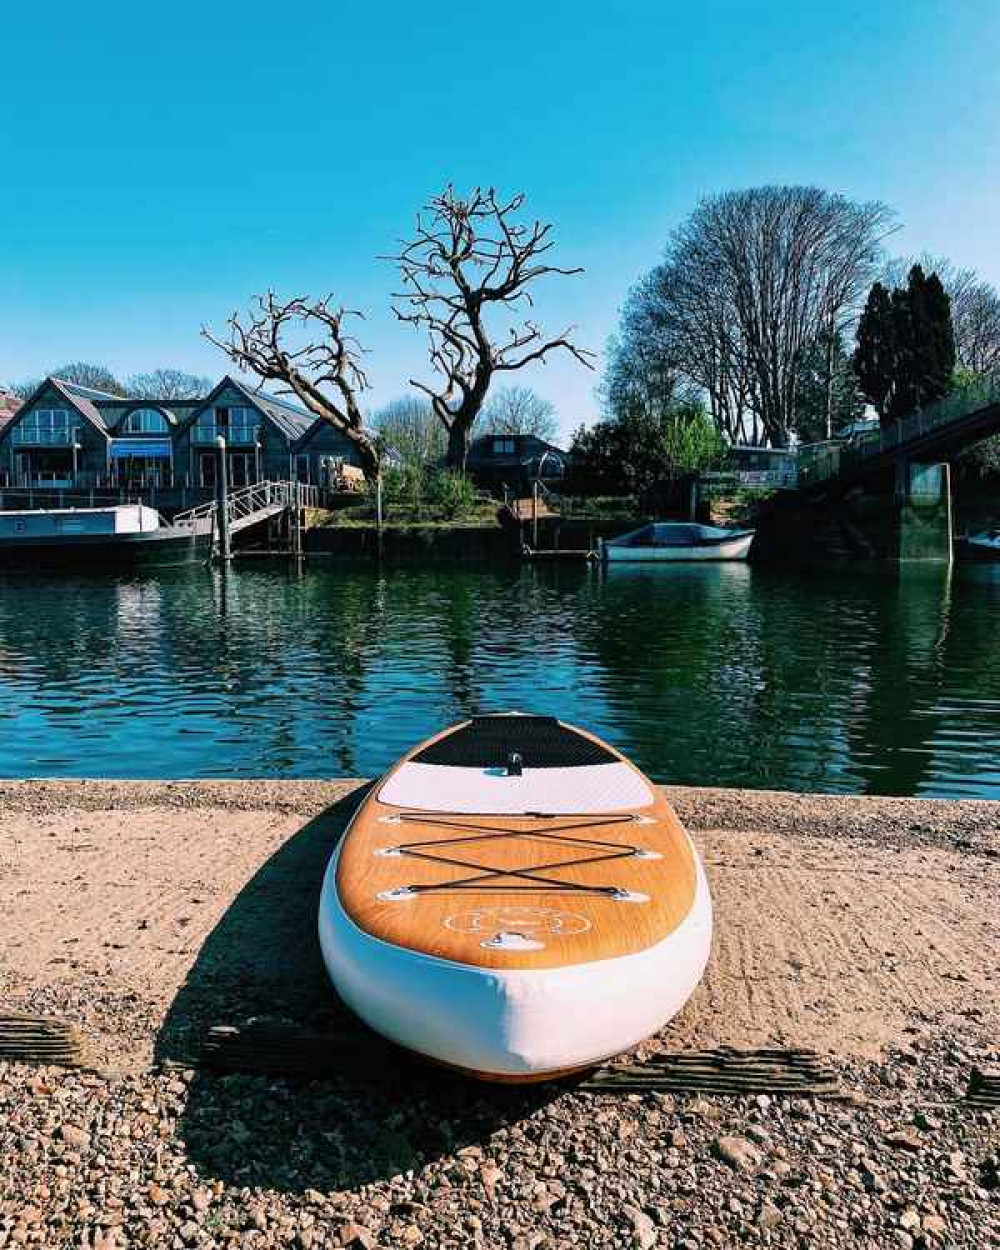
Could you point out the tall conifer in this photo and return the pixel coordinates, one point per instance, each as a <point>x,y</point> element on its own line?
<point>905,355</point>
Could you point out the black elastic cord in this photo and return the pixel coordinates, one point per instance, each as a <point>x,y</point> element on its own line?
<point>611,851</point>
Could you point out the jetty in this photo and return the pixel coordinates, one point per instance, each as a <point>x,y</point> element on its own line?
<point>100,533</point>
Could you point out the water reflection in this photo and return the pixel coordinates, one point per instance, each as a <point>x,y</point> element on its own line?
<point>874,681</point>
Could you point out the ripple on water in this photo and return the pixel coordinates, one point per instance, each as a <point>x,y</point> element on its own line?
<point>712,676</point>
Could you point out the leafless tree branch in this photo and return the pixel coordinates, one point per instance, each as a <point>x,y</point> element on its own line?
<point>325,372</point>
<point>471,258</point>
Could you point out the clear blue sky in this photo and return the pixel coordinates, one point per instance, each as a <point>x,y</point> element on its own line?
<point>159,164</point>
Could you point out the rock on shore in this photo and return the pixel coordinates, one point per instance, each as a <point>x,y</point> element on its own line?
<point>178,1158</point>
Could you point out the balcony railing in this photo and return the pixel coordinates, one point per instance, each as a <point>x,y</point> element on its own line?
<point>235,435</point>
<point>20,436</point>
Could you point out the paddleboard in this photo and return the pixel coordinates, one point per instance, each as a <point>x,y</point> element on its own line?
<point>515,899</point>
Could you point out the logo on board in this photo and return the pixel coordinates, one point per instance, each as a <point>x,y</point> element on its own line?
<point>529,921</point>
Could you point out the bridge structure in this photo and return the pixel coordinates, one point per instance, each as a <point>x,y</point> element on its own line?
<point>235,510</point>
<point>928,436</point>
<point>886,494</point>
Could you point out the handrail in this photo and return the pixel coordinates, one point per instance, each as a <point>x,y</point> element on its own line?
<point>981,394</point>
<point>246,500</point>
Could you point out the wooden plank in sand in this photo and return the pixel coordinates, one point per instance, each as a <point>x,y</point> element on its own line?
<point>38,1039</point>
<point>984,1088</point>
<point>723,1071</point>
<point>278,1049</point>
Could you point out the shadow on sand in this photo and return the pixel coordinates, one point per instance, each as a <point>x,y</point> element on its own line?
<point>348,1129</point>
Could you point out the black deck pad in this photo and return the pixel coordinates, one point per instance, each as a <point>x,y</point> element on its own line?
<point>541,742</point>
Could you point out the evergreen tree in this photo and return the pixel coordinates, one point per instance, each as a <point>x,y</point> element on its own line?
<point>934,341</point>
<point>905,357</point>
<point>902,397</point>
<point>875,356</point>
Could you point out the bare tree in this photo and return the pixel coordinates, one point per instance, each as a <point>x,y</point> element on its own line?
<point>471,256</point>
<point>750,284</point>
<point>679,331</point>
<point>792,263</point>
<point>408,425</point>
<point>323,371</point>
<point>82,373</point>
<point>518,410</point>
<point>167,384</point>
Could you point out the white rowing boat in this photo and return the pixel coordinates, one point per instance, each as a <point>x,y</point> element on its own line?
<point>984,546</point>
<point>679,540</point>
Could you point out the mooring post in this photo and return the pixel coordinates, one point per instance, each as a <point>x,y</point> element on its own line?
<point>378,512</point>
<point>693,500</point>
<point>222,499</point>
<point>296,520</point>
<point>534,514</point>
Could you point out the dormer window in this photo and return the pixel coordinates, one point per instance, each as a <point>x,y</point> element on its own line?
<point>503,446</point>
<point>145,421</point>
<point>236,425</point>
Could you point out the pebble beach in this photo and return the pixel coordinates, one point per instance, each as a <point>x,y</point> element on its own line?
<point>144,913</point>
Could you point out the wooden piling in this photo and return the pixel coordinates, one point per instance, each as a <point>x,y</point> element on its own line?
<point>222,500</point>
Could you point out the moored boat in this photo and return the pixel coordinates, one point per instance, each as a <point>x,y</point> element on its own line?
<point>982,546</point>
<point>120,535</point>
<point>516,900</point>
<point>679,540</point>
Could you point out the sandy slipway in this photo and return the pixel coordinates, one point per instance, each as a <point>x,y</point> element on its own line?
<point>866,928</point>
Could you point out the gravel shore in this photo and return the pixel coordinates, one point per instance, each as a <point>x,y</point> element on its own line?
<point>143,912</point>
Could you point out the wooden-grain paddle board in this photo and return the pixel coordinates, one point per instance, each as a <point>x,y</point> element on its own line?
<point>516,899</point>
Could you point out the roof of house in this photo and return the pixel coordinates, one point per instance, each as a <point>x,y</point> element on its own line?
<point>105,411</point>
<point>83,398</point>
<point>290,419</point>
<point>527,447</point>
<point>113,411</point>
<point>9,404</point>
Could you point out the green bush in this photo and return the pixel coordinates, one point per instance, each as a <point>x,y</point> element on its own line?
<point>449,493</point>
<point>415,493</point>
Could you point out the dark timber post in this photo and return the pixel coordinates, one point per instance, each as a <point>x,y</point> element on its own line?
<point>222,499</point>
<point>534,514</point>
<point>296,520</point>
<point>378,513</point>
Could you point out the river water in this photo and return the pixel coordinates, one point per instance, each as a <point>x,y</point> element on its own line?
<point>871,681</point>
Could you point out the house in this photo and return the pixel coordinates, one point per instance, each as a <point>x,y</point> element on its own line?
<point>514,460</point>
<point>763,466</point>
<point>65,435</point>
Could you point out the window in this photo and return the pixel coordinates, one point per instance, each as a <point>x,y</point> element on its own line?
<point>235,425</point>
<point>145,421</point>
<point>503,447</point>
<point>47,427</point>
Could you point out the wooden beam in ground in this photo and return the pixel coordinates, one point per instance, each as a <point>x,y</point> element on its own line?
<point>283,1050</point>
<point>39,1039</point>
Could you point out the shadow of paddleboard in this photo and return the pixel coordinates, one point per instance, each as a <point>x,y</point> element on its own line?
<point>367,1114</point>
